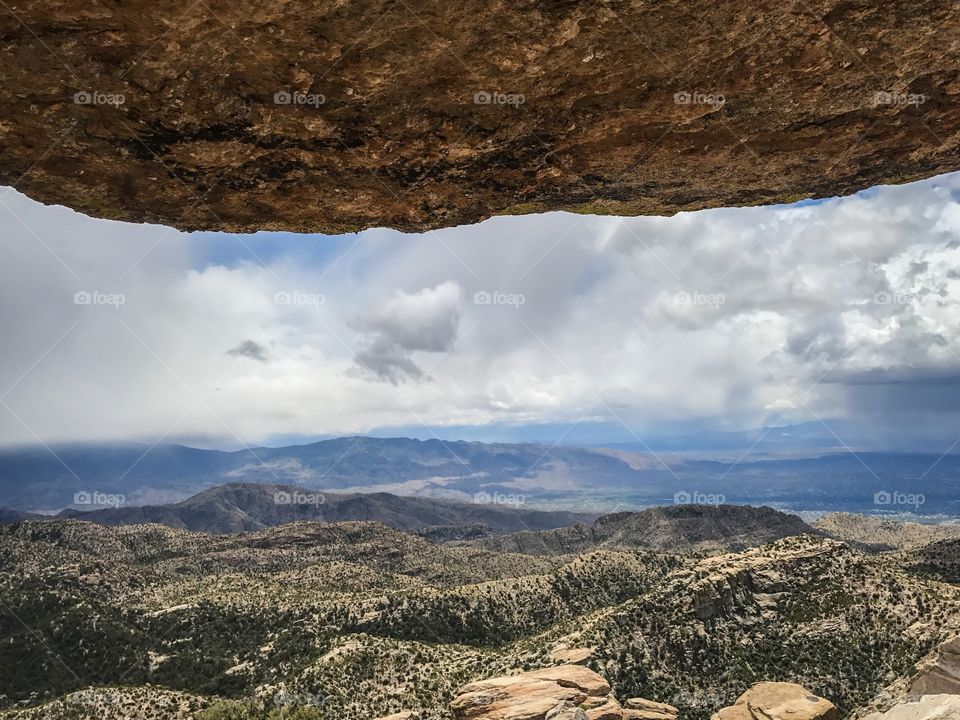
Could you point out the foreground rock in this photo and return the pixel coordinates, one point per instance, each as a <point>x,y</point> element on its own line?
<point>779,701</point>
<point>928,707</point>
<point>567,692</point>
<point>939,672</point>
<point>339,116</point>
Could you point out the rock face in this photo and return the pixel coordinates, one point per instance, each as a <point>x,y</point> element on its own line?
<point>567,692</point>
<point>929,707</point>
<point>334,116</point>
<point>939,673</point>
<point>779,701</point>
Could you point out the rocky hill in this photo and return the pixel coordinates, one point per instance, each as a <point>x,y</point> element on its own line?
<point>241,507</point>
<point>880,534</point>
<point>280,116</point>
<point>358,620</point>
<point>677,528</point>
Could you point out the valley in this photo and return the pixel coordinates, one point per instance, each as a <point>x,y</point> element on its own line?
<point>688,606</point>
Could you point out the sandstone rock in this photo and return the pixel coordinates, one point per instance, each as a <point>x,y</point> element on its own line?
<point>928,707</point>
<point>939,672</point>
<point>405,715</point>
<point>548,694</point>
<point>641,709</point>
<point>575,676</point>
<point>778,701</point>
<point>514,698</point>
<point>254,116</point>
<point>607,710</point>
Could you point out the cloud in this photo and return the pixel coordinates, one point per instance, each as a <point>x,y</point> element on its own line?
<point>249,349</point>
<point>426,321</point>
<point>724,318</point>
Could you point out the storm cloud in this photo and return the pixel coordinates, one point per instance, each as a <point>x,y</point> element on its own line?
<point>726,318</point>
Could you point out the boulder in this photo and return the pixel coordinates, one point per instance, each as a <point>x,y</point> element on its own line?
<point>778,701</point>
<point>566,692</point>
<point>641,709</point>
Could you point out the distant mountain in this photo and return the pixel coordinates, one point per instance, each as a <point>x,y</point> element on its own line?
<point>37,478</point>
<point>680,528</point>
<point>579,478</point>
<point>239,507</point>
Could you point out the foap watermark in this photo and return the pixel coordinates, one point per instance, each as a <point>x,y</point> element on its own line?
<point>296,297</point>
<point>283,97</point>
<point>892,298</point>
<point>95,97</point>
<point>95,297</point>
<point>698,498</point>
<point>298,498</point>
<point>894,498</point>
<point>699,299</point>
<point>892,97</point>
<point>286,698</point>
<point>499,498</point>
<point>95,498</point>
<point>484,97</point>
<point>695,97</point>
<point>484,297</point>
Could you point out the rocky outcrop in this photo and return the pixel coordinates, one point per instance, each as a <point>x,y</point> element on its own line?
<point>640,709</point>
<point>406,715</point>
<point>336,116</point>
<point>779,701</point>
<point>939,672</point>
<point>928,707</point>
<point>566,692</point>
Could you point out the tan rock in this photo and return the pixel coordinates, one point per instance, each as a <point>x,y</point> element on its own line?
<point>405,715</point>
<point>778,701</point>
<point>928,707</point>
<point>514,698</point>
<point>643,704</point>
<point>647,715</point>
<point>548,694</point>
<point>939,672</point>
<point>575,676</point>
<point>609,709</point>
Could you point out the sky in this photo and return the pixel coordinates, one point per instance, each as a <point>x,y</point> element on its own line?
<point>556,327</point>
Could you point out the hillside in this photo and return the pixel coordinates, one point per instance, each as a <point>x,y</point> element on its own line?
<point>677,528</point>
<point>881,534</point>
<point>240,507</point>
<point>362,620</point>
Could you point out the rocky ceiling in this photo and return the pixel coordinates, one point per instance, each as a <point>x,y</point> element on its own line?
<point>338,115</point>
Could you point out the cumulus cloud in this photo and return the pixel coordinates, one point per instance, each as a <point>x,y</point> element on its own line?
<point>725,318</point>
<point>426,321</point>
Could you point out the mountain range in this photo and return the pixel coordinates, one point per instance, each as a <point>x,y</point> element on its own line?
<point>590,480</point>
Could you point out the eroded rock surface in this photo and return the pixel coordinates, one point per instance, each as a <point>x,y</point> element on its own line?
<point>779,701</point>
<point>928,707</point>
<point>334,116</point>
<point>939,673</point>
<point>566,692</point>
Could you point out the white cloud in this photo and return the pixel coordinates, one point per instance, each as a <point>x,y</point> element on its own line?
<point>731,316</point>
